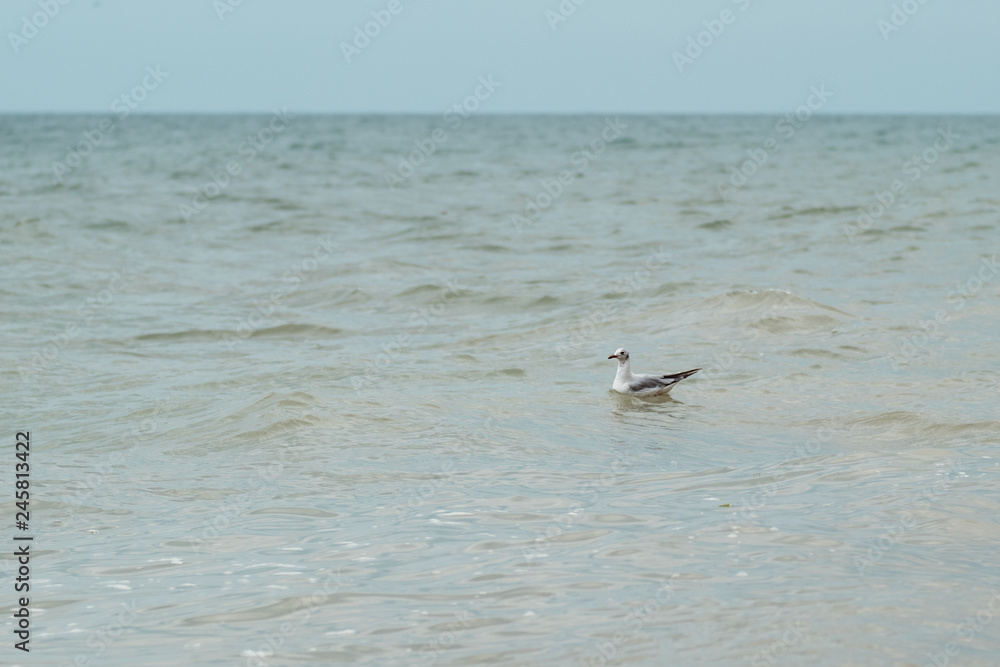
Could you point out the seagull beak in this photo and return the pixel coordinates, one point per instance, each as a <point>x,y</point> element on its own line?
<point>613,356</point>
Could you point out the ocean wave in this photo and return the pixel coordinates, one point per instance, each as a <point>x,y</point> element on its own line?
<point>773,311</point>
<point>279,331</point>
<point>814,210</point>
<point>263,421</point>
<point>816,353</point>
<point>430,291</point>
<point>744,300</point>
<point>909,426</point>
<point>716,225</point>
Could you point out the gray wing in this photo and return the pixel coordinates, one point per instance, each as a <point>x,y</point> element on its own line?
<point>659,381</point>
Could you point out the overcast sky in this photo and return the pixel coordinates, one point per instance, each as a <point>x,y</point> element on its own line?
<point>624,56</point>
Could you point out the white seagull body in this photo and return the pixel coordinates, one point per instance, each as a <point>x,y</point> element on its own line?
<point>627,382</point>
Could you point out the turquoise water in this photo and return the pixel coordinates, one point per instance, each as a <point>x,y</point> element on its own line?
<point>334,417</point>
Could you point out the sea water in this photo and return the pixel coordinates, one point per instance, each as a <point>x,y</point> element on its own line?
<point>335,389</point>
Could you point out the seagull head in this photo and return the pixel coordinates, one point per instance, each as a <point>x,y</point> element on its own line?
<point>621,354</point>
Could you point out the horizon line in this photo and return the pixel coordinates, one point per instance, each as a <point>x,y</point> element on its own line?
<point>502,113</point>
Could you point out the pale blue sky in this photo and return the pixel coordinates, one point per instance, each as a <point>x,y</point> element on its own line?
<point>605,57</point>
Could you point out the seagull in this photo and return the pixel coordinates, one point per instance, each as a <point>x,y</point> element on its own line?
<point>627,382</point>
